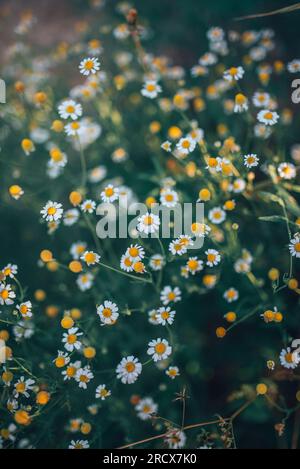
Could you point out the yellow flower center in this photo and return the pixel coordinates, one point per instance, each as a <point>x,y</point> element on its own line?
<point>192,265</point>
<point>297,247</point>
<point>51,211</point>
<point>20,387</point>
<point>107,312</point>
<point>89,64</point>
<point>160,348</point>
<point>134,252</point>
<point>4,294</point>
<point>70,109</point>
<point>72,338</point>
<point>171,296</point>
<point>90,258</point>
<point>130,367</point>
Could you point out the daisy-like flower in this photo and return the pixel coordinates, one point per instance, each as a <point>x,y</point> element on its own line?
<point>90,258</point>
<point>102,392</point>
<point>52,211</point>
<point>10,270</point>
<point>172,372</point>
<point>167,146</point>
<point>135,252</point>
<point>79,444</point>
<point>261,99</point>
<point>25,309</point>
<point>288,359</point>
<point>85,281</point>
<point>110,194</point>
<point>169,198</point>
<point>177,248</point>
<point>194,265</point>
<point>151,89</point>
<point>159,349</point>
<point>251,160</point>
<point>83,376</point>
<point>287,171</point>
<point>71,370</point>
<point>70,109</point>
<point>88,66</point>
<point>215,34</point>
<point>175,438</point>
<point>294,66</point>
<point>186,145</point>
<point>129,370</point>
<point>146,408</point>
<point>73,129</point>
<point>126,263</point>
<point>200,230</point>
<point>207,59</point>
<point>22,387</point>
<point>267,117</point>
<point>213,257</point>
<point>148,223</point>
<point>156,262</point>
<point>152,317</point>
<point>165,316</point>
<point>77,249</point>
<point>62,359</point>
<point>294,248</point>
<point>8,433</point>
<point>240,103</point>
<point>169,295</point>
<point>70,339</point>
<point>217,215</point>
<point>88,206</point>
<point>108,312</point>
<point>234,74</point>
<point>7,296</point>
<point>71,217</point>
<point>231,295</point>
<point>242,267</point>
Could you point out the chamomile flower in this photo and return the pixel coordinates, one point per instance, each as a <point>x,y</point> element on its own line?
<point>7,295</point>
<point>77,249</point>
<point>267,117</point>
<point>168,198</point>
<point>217,215</point>
<point>84,376</point>
<point>71,217</point>
<point>88,66</point>
<point>159,349</point>
<point>231,295</point>
<point>62,359</point>
<point>234,74</point>
<point>251,160</point>
<point>88,206</point>
<point>294,248</point>
<point>288,359</point>
<point>172,372</point>
<point>287,171</point>
<point>200,230</point>
<point>151,89</point>
<point>73,129</point>
<point>129,370</point>
<point>10,270</point>
<point>52,211</point>
<point>145,408</point>
<point>110,194</point>
<point>186,145</point>
<point>108,312</point>
<point>126,263</point>
<point>148,223</point>
<point>165,316</point>
<point>152,317</point>
<point>135,252</point>
<point>90,258</point>
<point>240,103</point>
<point>215,34</point>
<point>70,339</point>
<point>294,66</point>
<point>156,262</point>
<point>71,370</point>
<point>167,146</point>
<point>194,265</point>
<point>22,387</point>
<point>261,99</point>
<point>177,248</point>
<point>170,295</point>
<point>175,438</point>
<point>102,392</point>
<point>212,257</point>
<point>8,433</point>
<point>79,444</point>
<point>85,281</point>
<point>70,109</point>
<point>25,309</point>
